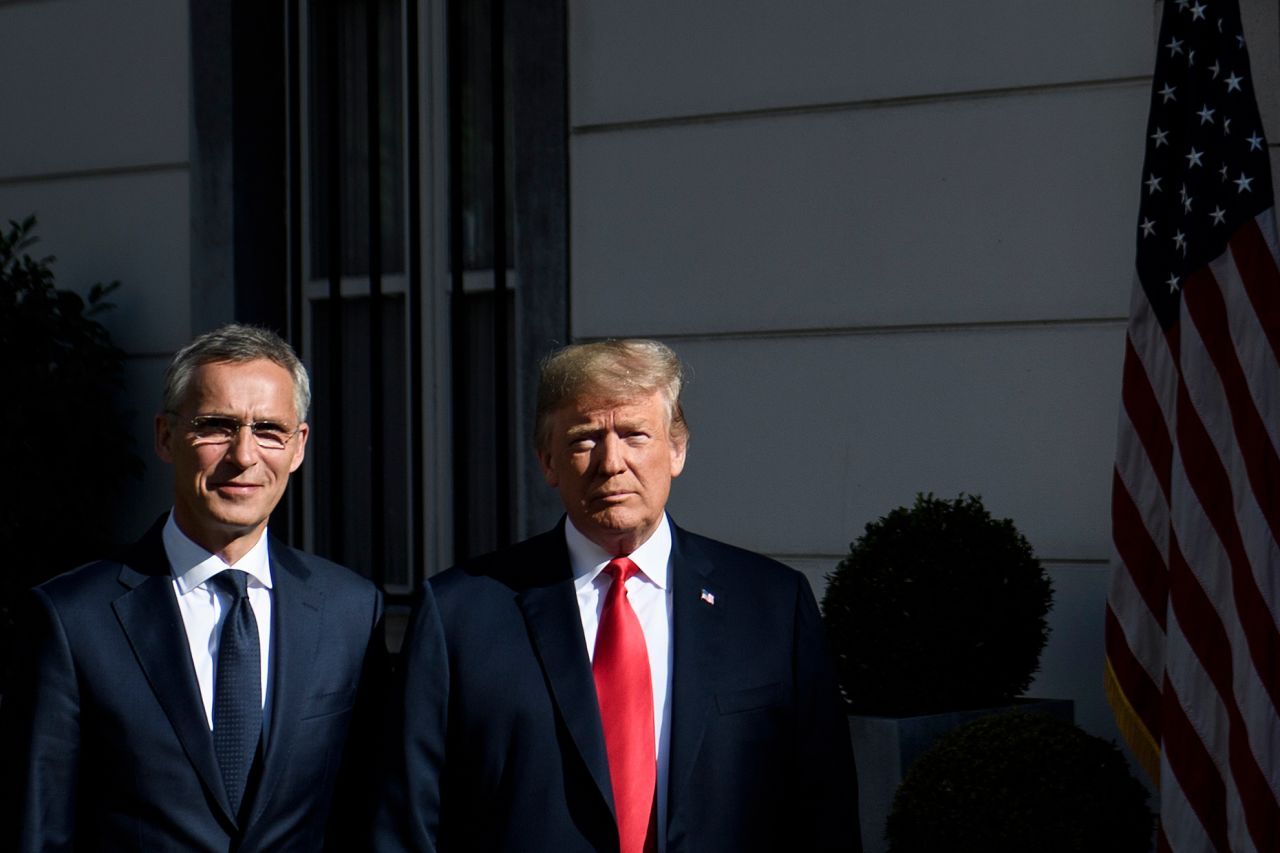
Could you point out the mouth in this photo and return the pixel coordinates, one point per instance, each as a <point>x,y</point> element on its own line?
<point>236,489</point>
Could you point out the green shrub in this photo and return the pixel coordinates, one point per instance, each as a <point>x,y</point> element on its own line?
<point>68,450</point>
<point>1018,782</point>
<point>937,607</point>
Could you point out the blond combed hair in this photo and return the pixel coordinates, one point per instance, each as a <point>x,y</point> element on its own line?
<point>610,370</point>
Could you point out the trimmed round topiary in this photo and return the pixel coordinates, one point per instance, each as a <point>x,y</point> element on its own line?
<point>937,607</point>
<point>1020,782</point>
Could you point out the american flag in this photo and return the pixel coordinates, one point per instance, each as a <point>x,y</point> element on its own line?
<point>1193,649</point>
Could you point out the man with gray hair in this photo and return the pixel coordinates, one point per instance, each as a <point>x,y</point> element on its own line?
<point>618,683</point>
<point>203,690</point>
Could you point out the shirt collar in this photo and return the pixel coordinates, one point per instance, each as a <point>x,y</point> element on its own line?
<point>192,565</point>
<point>588,559</point>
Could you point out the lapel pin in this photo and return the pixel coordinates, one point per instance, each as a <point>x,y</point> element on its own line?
<point>708,597</point>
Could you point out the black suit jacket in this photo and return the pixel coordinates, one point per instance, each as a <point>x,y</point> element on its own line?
<point>106,743</point>
<point>502,746</point>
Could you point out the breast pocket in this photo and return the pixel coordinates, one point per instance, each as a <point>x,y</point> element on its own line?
<point>327,704</point>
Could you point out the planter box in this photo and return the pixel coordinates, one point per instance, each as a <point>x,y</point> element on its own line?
<point>886,747</point>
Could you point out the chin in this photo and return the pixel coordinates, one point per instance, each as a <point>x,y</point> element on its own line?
<point>240,520</point>
<point>614,522</point>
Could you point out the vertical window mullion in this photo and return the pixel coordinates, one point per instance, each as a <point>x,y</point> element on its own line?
<point>459,328</point>
<point>417,518</point>
<point>293,27</point>
<point>373,126</point>
<point>333,182</point>
<point>502,348</point>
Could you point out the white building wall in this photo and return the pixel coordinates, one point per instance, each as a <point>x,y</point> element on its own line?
<point>894,241</point>
<point>95,112</point>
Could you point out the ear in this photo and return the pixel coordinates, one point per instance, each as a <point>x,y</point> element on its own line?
<point>164,438</point>
<point>300,447</point>
<point>678,448</point>
<point>548,472</point>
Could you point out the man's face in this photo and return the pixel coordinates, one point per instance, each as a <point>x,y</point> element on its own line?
<point>612,462</point>
<point>224,493</point>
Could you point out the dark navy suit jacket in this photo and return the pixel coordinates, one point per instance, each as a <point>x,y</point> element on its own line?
<point>106,743</point>
<point>502,747</point>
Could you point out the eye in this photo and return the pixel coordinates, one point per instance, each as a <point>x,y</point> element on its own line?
<point>270,433</point>
<point>214,427</point>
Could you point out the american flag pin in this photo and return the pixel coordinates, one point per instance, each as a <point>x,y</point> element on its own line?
<point>708,597</point>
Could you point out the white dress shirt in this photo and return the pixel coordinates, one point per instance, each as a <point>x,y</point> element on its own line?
<point>649,592</point>
<point>203,608</point>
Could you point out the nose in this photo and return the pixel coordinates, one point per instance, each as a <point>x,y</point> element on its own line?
<point>244,447</point>
<point>611,455</point>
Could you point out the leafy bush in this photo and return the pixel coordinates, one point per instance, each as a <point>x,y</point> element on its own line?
<point>1018,782</point>
<point>937,607</point>
<point>68,449</point>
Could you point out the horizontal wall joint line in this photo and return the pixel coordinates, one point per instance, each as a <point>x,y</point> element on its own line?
<point>1143,81</point>
<point>885,329</point>
<point>89,174</point>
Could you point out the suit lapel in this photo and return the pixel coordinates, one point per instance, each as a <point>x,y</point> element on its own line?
<point>148,614</point>
<point>551,612</point>
<point>697,635</point>
<point>296,608</point>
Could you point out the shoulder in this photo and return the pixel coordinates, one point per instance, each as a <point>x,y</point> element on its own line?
<point>120,569</point>
<point>542,560</point>
<point>739,563</point>
<point>315,569</point>
<point>347,601</point>
<point>770,596</point>
<point>92,582</point>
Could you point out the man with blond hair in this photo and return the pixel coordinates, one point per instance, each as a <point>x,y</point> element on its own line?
<point>618,683</point>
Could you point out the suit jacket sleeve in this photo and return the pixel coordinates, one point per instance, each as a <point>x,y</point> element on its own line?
<point>823,744</point>
<point>408,817</point>
<point>40,737</point>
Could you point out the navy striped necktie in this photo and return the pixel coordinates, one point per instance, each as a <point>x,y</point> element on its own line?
<point>237,690</point>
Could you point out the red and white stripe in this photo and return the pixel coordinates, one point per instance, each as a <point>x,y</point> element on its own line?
<point>1193,618</point>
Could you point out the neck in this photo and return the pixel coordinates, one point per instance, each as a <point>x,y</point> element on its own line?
<point>227,545</point>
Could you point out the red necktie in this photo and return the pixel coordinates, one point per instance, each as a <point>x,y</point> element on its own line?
<point>625,691</point>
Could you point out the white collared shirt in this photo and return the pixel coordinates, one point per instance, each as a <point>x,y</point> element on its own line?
<point>649,592</point>
<point>203,609</point>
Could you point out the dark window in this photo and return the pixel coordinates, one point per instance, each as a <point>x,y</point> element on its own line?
<point>342,510</point>
<point>339,134</point>
<point>483,326</point>
<point>361,310</point>
<point>357,294</point>
<point>473,39</point>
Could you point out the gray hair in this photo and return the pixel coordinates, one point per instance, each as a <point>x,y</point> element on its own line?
<point>235,343</point>
<point>614,370</point>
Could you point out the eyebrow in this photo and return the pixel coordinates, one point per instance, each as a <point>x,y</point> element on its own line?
<point>583,431</point>
<point>262,420</point>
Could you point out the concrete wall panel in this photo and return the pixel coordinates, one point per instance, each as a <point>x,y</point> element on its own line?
<point>1071,664</point>
<point>1261,19</point>
<point>642,61</point>
<point>799,442</point>
<point>994,209</point>
<point>92,85</point>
